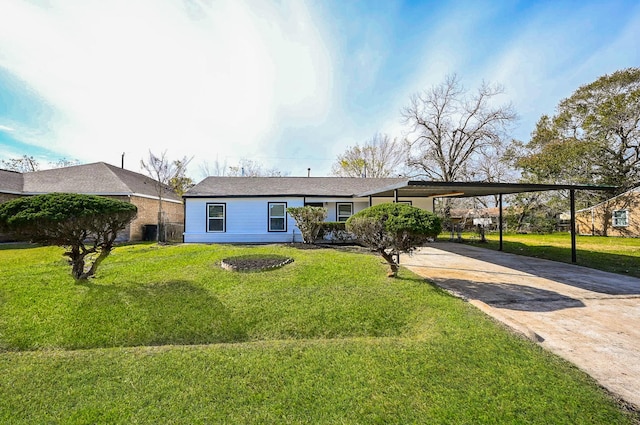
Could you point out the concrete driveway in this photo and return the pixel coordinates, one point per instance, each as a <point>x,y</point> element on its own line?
<point>586,316</point>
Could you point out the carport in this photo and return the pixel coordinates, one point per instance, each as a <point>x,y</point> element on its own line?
<point>422,188</point>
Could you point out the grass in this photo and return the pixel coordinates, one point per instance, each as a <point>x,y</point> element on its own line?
<point>164,335</point>
<point>616,255</point>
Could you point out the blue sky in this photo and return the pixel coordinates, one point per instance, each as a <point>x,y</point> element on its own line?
<point>287,84</point>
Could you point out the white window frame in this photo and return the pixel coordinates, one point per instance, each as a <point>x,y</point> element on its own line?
<point>283,217</point>
<point>620,218</point>
<point>343,217</point>
<point>223,218</point>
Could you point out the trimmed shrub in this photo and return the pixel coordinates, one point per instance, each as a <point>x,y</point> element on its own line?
<point>393,228</point>
<point>309,221</point>
<point>85,224</point>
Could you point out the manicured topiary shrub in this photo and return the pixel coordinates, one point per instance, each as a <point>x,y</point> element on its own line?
<point>84,224</point>
<point>393,228</point>
<point>308,220</point>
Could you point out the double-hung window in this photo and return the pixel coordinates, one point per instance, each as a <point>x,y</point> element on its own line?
<point>344,211</point>
<point>277,216</point>
<point>620,218</point>
<point>216,218</point>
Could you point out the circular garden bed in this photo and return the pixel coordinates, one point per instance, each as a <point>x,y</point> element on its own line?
<point>257,262</point>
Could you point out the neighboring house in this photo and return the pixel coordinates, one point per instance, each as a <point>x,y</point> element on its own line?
<point>470,218</point>
<point>98,179</point>
<point>618,216</point>
<point>10,185</point>
<point>253,209</point>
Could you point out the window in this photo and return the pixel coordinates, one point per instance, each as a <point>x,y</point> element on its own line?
<point>620,218</point>
<point>216,218</point>
<point>344,211</point>
<point>277,216</point>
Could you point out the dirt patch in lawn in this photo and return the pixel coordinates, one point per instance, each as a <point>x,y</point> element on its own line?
<point>253,263</point>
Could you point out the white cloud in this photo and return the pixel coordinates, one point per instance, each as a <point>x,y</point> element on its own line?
<point>192,78</point>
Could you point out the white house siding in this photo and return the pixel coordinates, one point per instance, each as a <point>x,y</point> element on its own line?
<point>331,204</point>
<point>247,218</point>
<point>247,221</point>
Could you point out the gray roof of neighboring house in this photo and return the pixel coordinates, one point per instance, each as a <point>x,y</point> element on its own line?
<point>290,186</point>
<point>95,179</point>
<point>10,181</point>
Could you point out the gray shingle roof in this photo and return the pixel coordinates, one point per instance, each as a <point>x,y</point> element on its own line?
<point>10,181</point>
<point>289,186</point>
<point>96,179</point>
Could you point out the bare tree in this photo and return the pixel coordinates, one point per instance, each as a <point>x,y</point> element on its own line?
<point>216,168</point>
<point>244,168</point>
<point>164,172</point>
<point>449,128</point>
<point>27,164</point>
<point>249,168</point>
<point>64,162</point>
<point>380,156</point>
<point>23,164</point>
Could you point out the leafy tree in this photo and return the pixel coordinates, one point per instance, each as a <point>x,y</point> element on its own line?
<point>593,138</point>
<point>169,176</point>
<point>87,225</point>
<point>393,228</point>
<point>378,157</point>
<point>309,221</point>
<point>450,128</point>
<point>180,183</point>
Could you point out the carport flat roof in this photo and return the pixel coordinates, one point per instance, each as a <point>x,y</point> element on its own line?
<point>422,188</point>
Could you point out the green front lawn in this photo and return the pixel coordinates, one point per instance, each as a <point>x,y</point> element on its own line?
<point>616,255</point>
<point>164,335</point>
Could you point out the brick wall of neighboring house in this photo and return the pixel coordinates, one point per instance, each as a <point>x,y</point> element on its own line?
<point>599,220</point>
<point>148,214</point>
<point>5,197</point>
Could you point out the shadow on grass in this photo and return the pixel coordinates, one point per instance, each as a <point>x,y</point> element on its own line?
<point>175,312</point>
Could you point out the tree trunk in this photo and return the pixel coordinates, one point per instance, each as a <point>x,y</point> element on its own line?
<point>76,258</point>
<point>104,253</point>
<point>388,256</point>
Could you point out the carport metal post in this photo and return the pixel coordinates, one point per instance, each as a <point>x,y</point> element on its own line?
<point>500,219</point>
<point>572,197</point>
